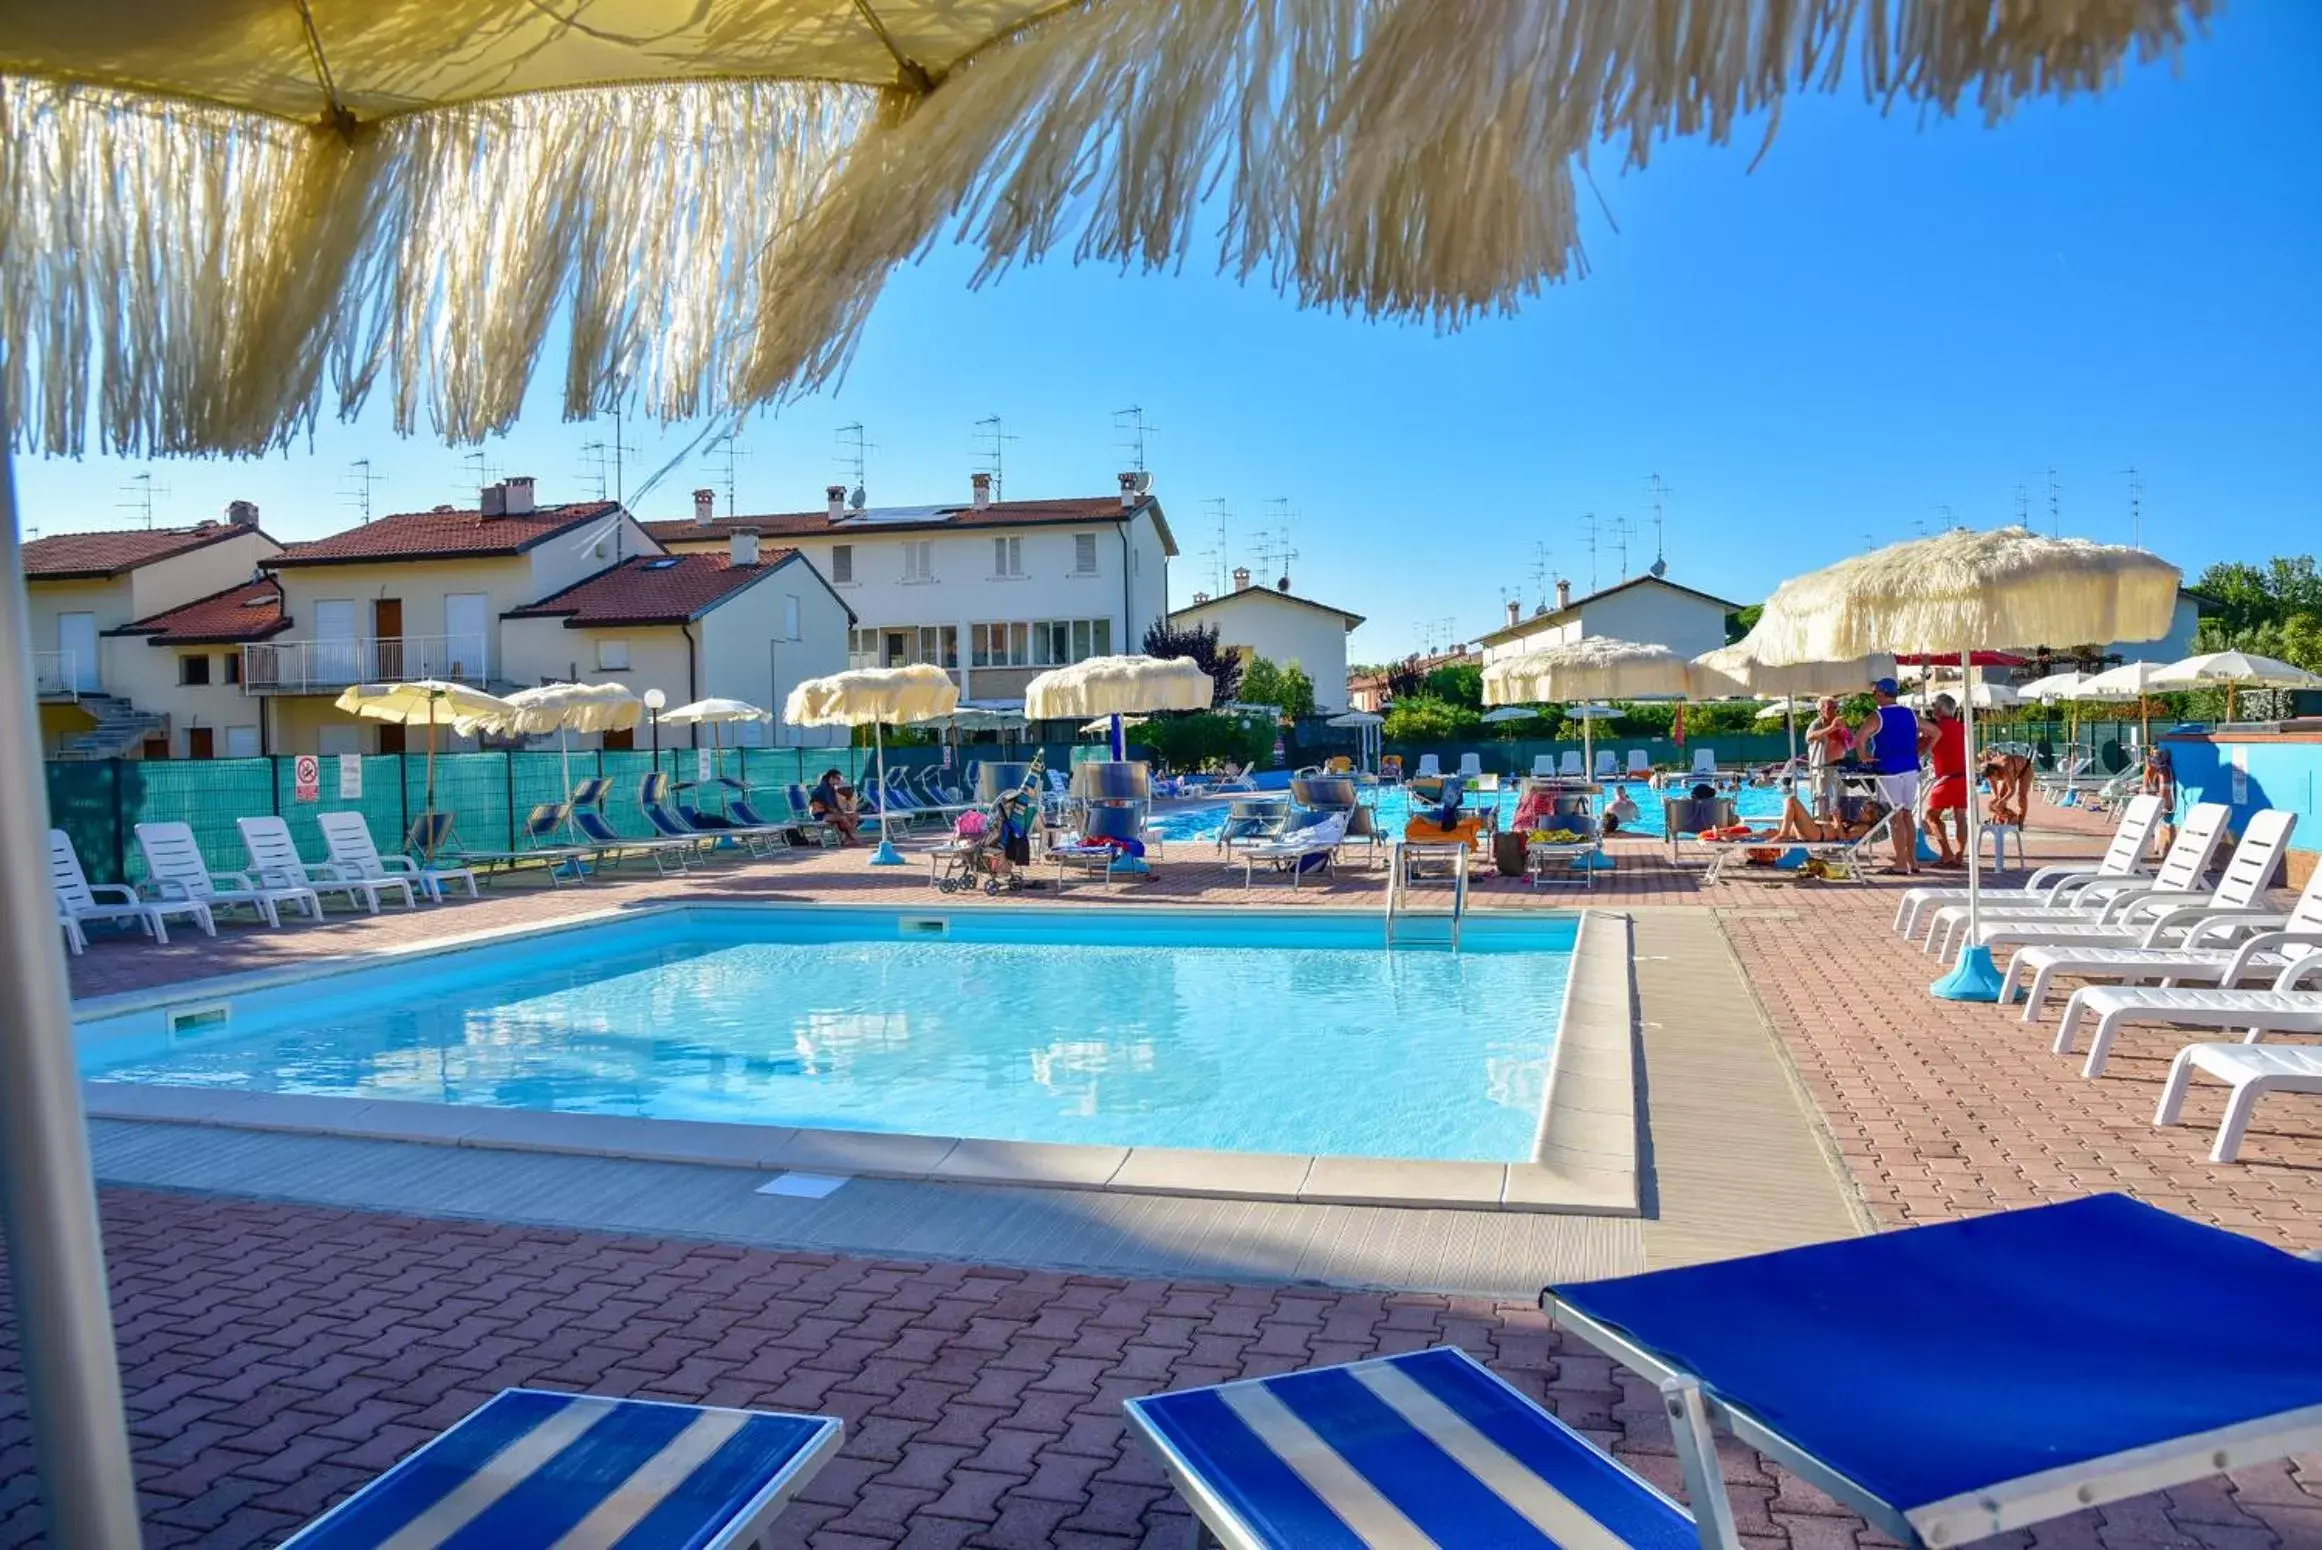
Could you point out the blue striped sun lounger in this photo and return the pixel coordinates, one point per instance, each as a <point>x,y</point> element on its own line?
<point>1971,1377</point>
<point>1422,1449</point>
<point>535,1468</point>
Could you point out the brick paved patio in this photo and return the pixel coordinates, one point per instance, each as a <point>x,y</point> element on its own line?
<point>278,1355</point>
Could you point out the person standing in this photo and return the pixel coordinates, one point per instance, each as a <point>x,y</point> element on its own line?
<point>1827,742</point>
<point>1894,755</point>
<point>1946,737</point>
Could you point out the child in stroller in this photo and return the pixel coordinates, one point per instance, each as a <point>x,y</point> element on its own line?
<point>992,844</point>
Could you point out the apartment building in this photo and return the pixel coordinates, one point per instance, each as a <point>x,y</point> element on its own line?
<point>87,591</point>
<point>1649,609</point>
<point>419,594</point>
<point>747,624</point>
<point>993,591</point>
<point>1277,624</point>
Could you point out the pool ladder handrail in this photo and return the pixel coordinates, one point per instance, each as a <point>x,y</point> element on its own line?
<point>1398,879</point>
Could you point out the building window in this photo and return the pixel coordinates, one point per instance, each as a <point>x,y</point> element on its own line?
<point>862,648</point>
<point>903,645</point>
<point>233,664</point>
<point>612,656</point>
<point>842,564</point>
<point>1084,554</point>
<point>193,670</point>
<point>919,559</point>
<point>1044,643</point>
<point>1007,557</point>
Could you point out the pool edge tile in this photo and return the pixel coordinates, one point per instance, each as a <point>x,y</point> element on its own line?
<point>1172,1170</point>
<point>1393,1181</point>
<point>880,1153</point>
<point>1052,1163</point>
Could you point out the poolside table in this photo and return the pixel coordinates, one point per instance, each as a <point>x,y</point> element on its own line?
<point>531,1467</point>
<point>1972,1377</point>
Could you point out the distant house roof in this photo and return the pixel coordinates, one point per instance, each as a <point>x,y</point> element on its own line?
<point>1274,593</point>
<point>445,534</point>
<point>657,589</point>
<point>875,520</point>
<point>250,611</point>
<point>103,555</point>
<point>1529,624</point>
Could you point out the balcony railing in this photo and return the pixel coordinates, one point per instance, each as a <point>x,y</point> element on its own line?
<point>58,672</point>
<point>318,666</point>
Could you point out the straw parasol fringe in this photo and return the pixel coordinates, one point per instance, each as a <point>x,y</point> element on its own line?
<point>208,272</point>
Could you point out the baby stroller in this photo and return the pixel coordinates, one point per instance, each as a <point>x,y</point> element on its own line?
<point>992,844</point>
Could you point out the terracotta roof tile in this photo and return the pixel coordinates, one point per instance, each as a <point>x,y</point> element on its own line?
<point>652,589</point>
<point>87,556</point>
<point>251,611</point>
<point>445,535</point>
<point>904,519</point>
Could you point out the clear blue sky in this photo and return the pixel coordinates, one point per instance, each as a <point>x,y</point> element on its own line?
<point>1883,320</point>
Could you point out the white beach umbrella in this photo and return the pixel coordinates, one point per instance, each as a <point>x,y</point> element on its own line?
<point>428,702</point>
<point>1116,687</point>
<point>2130,681</point>
<point>2054,687</point>
<point>1508,713</point>
<point>568,708</point>
<point>877,697</point>
<point>1104,724</point>
<point>2234,669</point>
<point>1598,667</point>
<point>1366,724</point>
<point>1781,710</point>
<point>1958,591</point>
<point>716,714</point>
<point>1741,663</point>
<point>1979,695</point>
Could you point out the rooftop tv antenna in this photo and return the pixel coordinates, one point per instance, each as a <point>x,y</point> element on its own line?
<point>480,472</point>
<point>2055,506</point>
<point>140,491</point>
<point>1590,519</point>
<point>1220,554</point>
<point>1622,528</point>
<point>1659,490</point>
<point>729,447</point>
<point>1948,524</point>
<point>853,461</point>
<point>2136,493</point>
<point>1543,572</point>
<point>1132,421</point>
<point>992,439</point>
<point>358,487</point>
<point>2023,507</point>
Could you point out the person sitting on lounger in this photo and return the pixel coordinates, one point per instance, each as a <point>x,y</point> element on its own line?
<point>833,803</point>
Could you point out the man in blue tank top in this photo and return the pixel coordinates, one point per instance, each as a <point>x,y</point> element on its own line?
<point>1894,753</point>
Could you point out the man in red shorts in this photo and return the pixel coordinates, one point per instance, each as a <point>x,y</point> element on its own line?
<point>1947,794</point>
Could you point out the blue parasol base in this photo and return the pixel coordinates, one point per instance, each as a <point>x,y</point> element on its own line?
<point>1594,861</point>
<point>886,855</point>
<point>1973,978</point>
<point>1128,866</point>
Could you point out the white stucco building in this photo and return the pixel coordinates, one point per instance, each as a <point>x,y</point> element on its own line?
<point>1277,624</point>
<point>1652,610</point>
<point>992,591</point>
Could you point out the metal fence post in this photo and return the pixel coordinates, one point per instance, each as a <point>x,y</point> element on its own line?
<point>403,795</point>
<point>508,772</point>
<point>120,826</point>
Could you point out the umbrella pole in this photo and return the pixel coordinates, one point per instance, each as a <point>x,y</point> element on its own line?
<point>48,1199</point>
<point>1974,977</point>
<point>430,803</point>
<point>1120,741</point>
<point>886,854</point>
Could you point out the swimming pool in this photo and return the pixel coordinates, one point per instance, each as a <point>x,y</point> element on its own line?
<point>1238,1031</point>
<point>1200,820</point>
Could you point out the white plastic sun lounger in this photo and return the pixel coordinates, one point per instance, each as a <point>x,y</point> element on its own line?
<point>2235,907</point>
<point>2179,876</point>
<point>1316,843</point>
<point>1704,763</point>
<point>1606,764</point>
<point>1569,764</point>
<point>1471,766</point>
<point>347,840</point>
<point>2123,858</point>
<point>275,862</point>
<point>2279,1008</point>
<point>2261,956</point>
<point>79,901</point>
<point>1430,767</point>
<point>2252,1070</point>
<point>1639,765</point>
<point>174,864</point>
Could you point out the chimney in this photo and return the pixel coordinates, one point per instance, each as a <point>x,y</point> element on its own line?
<point>1130,491</point>
<point>1515,611</point>
<point>742,548</point>
<point>838,500</point>
<point>242,513</point>
<point>1200,598</point>
<point>519,495</point>
<point>495,501</point>
<point>982,484</point>
<point>1563,594</point>
<point>1241,578</point>
<point>705,507</point>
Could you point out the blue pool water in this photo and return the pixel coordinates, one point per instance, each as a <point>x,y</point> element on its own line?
<point>1240,1032</point>
<point>1201,820</point>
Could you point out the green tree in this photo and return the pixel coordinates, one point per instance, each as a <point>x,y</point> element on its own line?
<point>1286,688</point>
<point>1456,683</point>
<point>1741,621</point>
<point>1200,644</point>
<point>1422,718</point>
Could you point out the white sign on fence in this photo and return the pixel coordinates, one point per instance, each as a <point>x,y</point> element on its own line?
<point>701,764</point>
<point>306,778</point>
<point>350,777</point>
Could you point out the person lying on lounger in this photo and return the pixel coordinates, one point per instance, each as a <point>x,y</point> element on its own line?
<point>1800,825</point>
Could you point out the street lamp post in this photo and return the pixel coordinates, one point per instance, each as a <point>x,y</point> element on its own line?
<point>654,700</point>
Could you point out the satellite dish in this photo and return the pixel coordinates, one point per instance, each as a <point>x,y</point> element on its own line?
<point>1143,482</point>
<point>1659,567</point>
<point>857,498</point>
